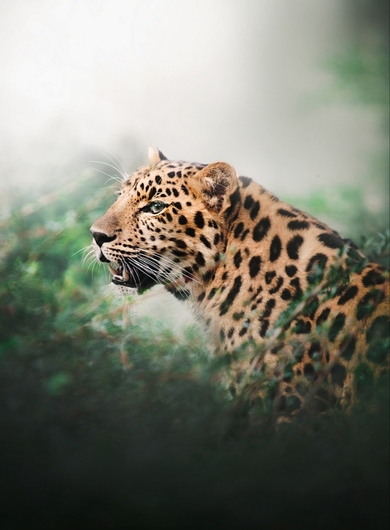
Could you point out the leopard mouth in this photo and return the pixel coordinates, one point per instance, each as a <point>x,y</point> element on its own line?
<point>127,276</point>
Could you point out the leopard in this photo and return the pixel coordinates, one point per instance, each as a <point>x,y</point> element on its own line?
<point>307,308</point>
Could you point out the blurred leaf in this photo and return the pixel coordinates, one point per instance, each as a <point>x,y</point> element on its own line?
<point>56,383</point>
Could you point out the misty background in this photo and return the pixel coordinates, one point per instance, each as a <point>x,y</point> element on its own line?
<point>247,82</point>
<point>268,86</point>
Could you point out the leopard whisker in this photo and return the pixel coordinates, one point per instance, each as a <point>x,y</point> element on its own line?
<point>150,262</point>
<point>158,276</point>
<point>82,249</point>
<point>179,271</point>
<point>109,165</point>
<point>165,277</point>
<point>120,167</point>
<point>88,256</point>
<point>92,264</point>
<point>111,177</point>
<point>174,266</point>
<point>144,261</point>
<point>133,270</point>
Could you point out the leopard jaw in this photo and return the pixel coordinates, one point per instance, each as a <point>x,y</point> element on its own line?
<point>120,274</point>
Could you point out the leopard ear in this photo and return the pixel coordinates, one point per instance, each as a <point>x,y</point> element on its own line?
<point>215,183</point>
<point>155,156</point>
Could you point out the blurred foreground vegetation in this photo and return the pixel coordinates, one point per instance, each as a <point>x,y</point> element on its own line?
<point>108,424</point>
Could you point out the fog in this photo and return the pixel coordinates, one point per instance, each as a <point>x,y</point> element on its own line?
<point>235,80</point>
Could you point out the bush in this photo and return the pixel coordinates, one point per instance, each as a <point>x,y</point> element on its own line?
<point>107,425</point>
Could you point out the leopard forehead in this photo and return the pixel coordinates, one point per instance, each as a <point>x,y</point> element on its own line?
<point>147,181</point>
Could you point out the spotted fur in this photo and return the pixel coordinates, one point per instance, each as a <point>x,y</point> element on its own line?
<point>256,270</point>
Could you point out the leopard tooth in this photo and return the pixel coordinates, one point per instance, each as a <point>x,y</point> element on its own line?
<point>112,270</point>
<point>126,275</point>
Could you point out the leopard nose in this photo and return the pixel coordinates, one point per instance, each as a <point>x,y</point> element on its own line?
<point>101,238</point>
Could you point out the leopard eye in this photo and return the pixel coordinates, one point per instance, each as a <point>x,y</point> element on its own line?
<point>155,207</point>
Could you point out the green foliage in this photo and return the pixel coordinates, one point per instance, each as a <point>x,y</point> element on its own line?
<point>376,247</point>
<point>361,77</point>
<point>344,208</point>
<point>115,422</point>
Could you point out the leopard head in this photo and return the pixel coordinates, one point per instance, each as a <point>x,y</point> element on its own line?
<point>168,224</point>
